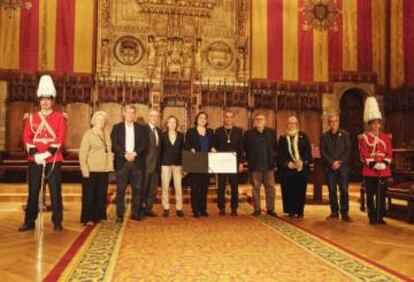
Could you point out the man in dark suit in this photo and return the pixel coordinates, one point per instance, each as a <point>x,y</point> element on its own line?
<point>129,146</point>
<point>335,148</point>
<point>152,162</point>
<point>260,146</point>
<point>229,139</point>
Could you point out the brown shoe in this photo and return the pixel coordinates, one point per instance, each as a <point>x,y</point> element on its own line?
<point>26,227</point>
<point>271,213</point>
<point>57,227</point>
<point>333,216</point>
<point>346,218</point>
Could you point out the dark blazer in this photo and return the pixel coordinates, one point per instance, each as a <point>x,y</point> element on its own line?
<point>171,154</point>
<point>192,139</point>
<point>236,141</point>
<point>284,157</point>
<point>118,145</point>
<point>250,149</point>
<point>333,149</point>
<point>153,156</point>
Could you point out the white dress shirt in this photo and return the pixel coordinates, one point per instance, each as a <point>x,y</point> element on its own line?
<point>129,138</point>
<point>154,129</point>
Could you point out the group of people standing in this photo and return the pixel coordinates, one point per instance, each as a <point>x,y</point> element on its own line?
<point>140,154</point>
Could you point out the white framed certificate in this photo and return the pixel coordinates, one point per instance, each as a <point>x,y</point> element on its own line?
<point>222,162</point>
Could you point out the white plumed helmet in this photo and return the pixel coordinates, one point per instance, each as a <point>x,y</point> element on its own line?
<point>371,110</point>
<point>46,88</point>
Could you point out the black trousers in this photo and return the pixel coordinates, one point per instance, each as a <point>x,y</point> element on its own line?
<point>94,189</point>
<point>199,187</point>
<point>338,179</point>
<point>55,189</point>
<point>234,185</point>
<point>294,193</point>
<point>129,173</point>
<point>376,188</point>
<point>150,189</point>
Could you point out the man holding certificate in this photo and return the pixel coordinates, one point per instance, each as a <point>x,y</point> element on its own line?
<point>229,139</point>
<point>260,146</point>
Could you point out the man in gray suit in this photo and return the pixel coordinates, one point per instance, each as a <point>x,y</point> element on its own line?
<point>335,148</point>
<point>152,163</point>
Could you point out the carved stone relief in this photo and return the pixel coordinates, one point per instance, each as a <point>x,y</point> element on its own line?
<point>199,40</point>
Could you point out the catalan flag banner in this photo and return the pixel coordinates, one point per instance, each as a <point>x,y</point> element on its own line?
<point>307,40</point>
<point>48,35</point>
<point>402,43</point>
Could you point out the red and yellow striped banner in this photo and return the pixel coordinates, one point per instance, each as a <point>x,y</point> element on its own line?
<point>408,24</point>
<point>51,35</point>
<point>294,53</point>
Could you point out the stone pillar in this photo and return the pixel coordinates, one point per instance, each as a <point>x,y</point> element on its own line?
<point>3,98</point>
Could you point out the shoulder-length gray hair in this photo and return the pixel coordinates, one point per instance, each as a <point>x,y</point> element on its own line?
<point>96,115</point>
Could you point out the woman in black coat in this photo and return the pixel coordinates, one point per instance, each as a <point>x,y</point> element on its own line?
<point>172,144</point>
<point>294,158</point>
<point>199,139</point>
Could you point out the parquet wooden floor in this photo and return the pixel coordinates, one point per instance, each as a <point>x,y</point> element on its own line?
<point>22,259</point>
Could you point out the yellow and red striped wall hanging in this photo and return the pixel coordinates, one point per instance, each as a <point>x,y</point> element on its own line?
<point>282,49</point>
<point>49,35</point>
<point>408,42</point>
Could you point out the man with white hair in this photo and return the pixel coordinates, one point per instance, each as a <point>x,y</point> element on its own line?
<point>129,146</point>
<point>335,148</point>
<point>152,163</point>
<point>294,158</point>
<point>43,136</point>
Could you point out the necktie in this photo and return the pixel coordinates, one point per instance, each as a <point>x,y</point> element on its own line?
<point>154,131</point>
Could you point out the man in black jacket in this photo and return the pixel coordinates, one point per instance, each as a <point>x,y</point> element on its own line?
<point>152,162</point>
<point>335,148</point>
<point>129,146</point>
<point>260,146</point>
<point>229,139</point>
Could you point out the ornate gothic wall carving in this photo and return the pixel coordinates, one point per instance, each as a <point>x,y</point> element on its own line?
<point>196,40</point>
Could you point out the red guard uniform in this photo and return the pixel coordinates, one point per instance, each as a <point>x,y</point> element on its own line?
<point>45,132</point>
<point>376,155</point>
<point>375,149</point>
<point>43,137</point>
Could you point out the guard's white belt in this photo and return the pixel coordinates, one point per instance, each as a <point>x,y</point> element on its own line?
<point>44,140</point>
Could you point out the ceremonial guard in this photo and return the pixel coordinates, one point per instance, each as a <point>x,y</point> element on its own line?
<point>376,155</point>
<point>43,137</point>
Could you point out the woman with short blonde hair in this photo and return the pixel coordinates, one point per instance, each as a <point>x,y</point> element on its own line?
<point>96,115</point>
<point>96,161</point>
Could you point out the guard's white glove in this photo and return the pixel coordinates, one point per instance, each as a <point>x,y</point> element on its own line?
<point>380,166</point>
<point>40,158</point>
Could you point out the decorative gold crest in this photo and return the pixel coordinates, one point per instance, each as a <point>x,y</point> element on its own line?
<point>320,14</point>
<point>219,55</point>
<point>128,50</point>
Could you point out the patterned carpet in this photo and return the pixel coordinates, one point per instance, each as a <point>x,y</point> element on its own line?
<point>213,249</point>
